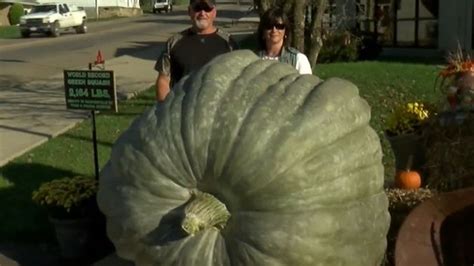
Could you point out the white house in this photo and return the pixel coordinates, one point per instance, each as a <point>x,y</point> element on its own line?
<point>456,24</point>
<point>435,24</point>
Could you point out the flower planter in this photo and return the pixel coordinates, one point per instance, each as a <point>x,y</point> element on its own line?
<point>73,236</point>
<point>460,91</point>
<point>465,81</point>
<point>73,211</point>
<point>404,146</point>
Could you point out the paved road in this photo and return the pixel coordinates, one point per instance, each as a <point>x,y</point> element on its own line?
<point>32,108</point>
<point>42,56</point>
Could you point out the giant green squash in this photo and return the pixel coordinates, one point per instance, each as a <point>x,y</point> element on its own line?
<point>249,163</point>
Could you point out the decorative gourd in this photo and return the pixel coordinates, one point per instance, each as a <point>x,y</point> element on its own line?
<point>408,179</point>
<point>249,163</point>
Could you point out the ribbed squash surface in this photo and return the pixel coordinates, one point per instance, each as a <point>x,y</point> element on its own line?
<point>292,158</point>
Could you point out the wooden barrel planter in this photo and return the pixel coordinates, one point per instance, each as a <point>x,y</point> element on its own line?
<point>439,231</point>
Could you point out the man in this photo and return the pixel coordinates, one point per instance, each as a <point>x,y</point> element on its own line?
<point>192,48</point>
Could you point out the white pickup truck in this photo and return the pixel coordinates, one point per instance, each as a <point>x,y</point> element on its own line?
<point>162,5</point>
<point>51,18</point>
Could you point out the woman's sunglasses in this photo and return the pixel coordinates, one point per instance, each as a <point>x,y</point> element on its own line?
<point>198,7</point>
<point>278,26</point>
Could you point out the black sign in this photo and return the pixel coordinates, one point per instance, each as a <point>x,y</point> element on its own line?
<point>90,90</point>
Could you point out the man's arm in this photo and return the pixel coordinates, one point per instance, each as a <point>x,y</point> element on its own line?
<point>231,43</point>
<point>162,86</point>
<point>163,67</point>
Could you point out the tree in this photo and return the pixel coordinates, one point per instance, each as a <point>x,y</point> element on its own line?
<point>306,17</point>
<point>316,30</point>
<point>15,12</point>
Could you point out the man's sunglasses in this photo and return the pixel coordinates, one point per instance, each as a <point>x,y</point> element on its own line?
<point>198,7</point>
<point>278,26</point>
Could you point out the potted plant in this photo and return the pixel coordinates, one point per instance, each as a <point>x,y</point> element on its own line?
<point>404,132</point>
<point>457,83</point>
<point>70,205</point>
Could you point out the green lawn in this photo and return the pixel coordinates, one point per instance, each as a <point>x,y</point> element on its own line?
<point>382,84</point>
<point>67,155</point>
<point>71,153</point>
<point>9,32</point>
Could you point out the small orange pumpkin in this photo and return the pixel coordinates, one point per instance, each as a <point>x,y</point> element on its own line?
<point>408,179</point>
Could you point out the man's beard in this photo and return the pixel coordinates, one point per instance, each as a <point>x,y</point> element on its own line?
<point>202,24</point>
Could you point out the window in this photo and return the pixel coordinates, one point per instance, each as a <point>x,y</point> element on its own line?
<point>329,18</point>
<point>401,23</point>
<point>43,8</point>
<point>62,9</point>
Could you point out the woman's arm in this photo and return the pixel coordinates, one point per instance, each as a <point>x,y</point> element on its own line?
<point>302,64</point>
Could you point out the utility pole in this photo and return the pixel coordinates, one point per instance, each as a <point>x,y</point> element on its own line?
<point>96,9</point>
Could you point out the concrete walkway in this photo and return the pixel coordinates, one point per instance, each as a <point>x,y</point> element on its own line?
<point>35,112</point>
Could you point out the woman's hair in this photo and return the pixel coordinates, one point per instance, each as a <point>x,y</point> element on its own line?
<point>270,17</point>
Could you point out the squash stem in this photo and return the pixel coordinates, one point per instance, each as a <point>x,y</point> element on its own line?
<point>204,211</point>
<point>409,162</point>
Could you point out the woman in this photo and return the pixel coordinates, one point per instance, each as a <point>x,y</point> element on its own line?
<point>273,32</point>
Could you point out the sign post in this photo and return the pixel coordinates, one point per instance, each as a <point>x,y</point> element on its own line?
<point>92,90</point>
<point>94,144</point>
<point>96,9</point>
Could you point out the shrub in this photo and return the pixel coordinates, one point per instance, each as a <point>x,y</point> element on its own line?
<point>15,12</point>
<point>345,46</point>
<point>66,197</point>
<point>406,118</point>
<point>369,48</point>
<point>339,47</point>
<point>147,5</point>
